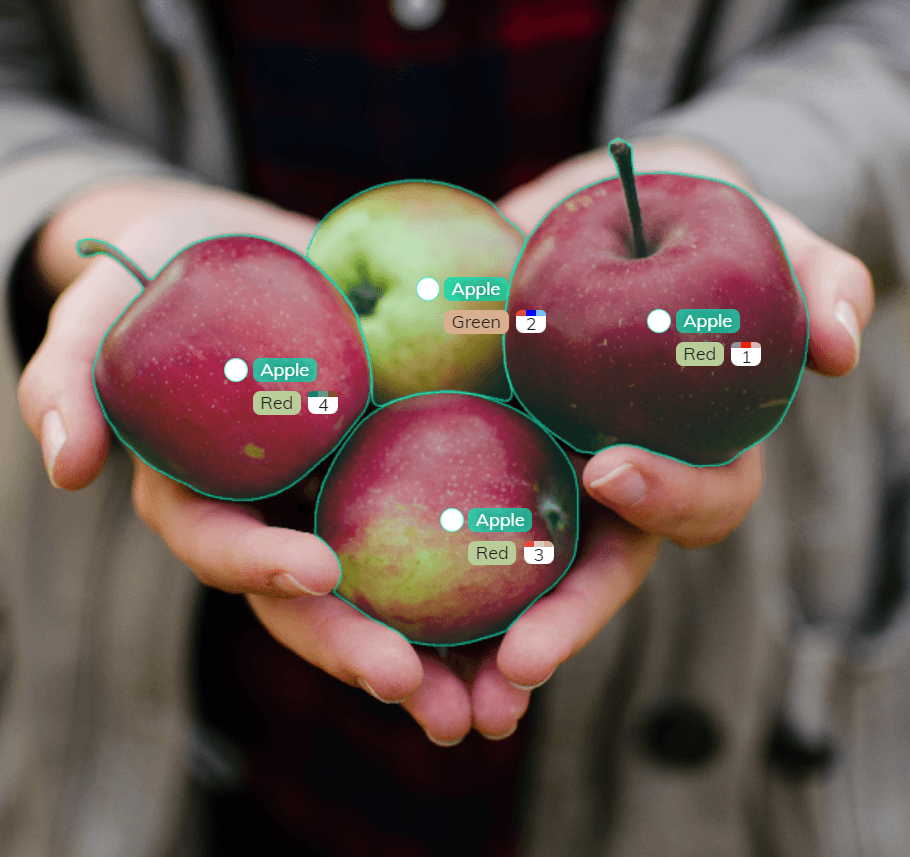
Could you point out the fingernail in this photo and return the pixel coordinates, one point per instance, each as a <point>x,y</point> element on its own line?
<point>289,585</point>
<point>501,737</point>
<point>624,486</point>
<point>846,315</point>
<point>368,688</point>
<point>445,742</point>
<point>533,686</point>
<point>53,436</point>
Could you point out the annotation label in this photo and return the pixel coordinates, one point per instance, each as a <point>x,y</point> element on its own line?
<point>476,321</point>
<point>699,353</point>
<point>707,320</point>
<point>492,553</point>
<point>475,288</point>
<point>274,370</point>
<point>276,403</point>
<point>499,520</point>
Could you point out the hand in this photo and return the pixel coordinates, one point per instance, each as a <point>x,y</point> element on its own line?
<point>230,546</point>
<point>837,286</point>
<point>697,507</point>
<point>656,496</point>
<point>151,222</point>
<point>227,545</point>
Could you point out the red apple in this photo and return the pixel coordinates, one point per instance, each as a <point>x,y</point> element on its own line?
<point>405,465</point>
<point>597,375</point>
<point>160,371</point>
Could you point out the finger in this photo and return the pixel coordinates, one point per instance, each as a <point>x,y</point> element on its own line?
<point>442,703</point>
<point>611,565</point>
<point>329,633</point>
<point>56,394</point>
<point>693,506</point>
<point>332,635</point>
<point>838,289</point>
<point>227,545</point>
<point>497,704</point>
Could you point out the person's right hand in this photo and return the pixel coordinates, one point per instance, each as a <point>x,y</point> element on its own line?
<point>150,222</point>
<point>282,572</point>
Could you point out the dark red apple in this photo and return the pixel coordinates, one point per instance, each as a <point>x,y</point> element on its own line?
<point>160,371</point>
<point>597,375</point>
<point>405,465</point>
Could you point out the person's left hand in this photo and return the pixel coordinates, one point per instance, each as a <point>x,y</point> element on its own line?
<point>649,497</point>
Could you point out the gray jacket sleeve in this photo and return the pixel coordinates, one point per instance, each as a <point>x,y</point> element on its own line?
<point>48,148</point>
<point>820,121</point>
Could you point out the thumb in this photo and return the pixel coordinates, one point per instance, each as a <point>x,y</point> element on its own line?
<point>56,393</point>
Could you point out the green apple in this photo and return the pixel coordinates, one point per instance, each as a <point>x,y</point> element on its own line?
<point>379,244</point>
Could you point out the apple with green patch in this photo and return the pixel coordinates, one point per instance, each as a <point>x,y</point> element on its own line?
<point>401,469</point>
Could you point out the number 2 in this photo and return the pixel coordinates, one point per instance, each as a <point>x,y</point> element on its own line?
<point>530,324</point>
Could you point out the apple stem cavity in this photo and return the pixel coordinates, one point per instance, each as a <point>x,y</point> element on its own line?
<point>92,247</point>
<point>622,154</point>
<point>364,297</point>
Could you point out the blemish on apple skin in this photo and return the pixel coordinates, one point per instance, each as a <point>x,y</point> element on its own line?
<point>254,451</point>
<point>774,403</point>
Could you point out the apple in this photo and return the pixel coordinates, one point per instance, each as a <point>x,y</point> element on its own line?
<point>381,504</point>
<point>598,375</point>
<point>160,371</point>
<point>379,244</point>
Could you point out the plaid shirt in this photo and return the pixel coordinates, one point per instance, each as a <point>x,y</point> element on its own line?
<point>334,97</point>
<point>337,96</point>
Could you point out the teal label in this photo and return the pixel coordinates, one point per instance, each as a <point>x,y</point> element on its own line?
<point>475,288</point>
<point>281,369</point>
<point>499,520</point>
<point>707,321</point>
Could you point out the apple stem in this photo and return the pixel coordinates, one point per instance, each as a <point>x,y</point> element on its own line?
<point>92,246</point>
<point>622,154</point>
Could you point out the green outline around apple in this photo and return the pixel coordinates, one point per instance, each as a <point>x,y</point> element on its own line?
<point>430,527</point>
<point>379,243</point>
<point>103,247</point>
<point>541,411</point>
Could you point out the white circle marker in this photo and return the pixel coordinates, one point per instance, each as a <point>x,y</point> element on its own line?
<point>235,369</point>
<point>451,520</point>
<point>658,320</point>
<point>427,288</point>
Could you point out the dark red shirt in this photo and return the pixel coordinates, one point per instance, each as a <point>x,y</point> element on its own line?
<point>334,97</point>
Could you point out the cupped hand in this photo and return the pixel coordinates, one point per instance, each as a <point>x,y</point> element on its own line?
<point>649,497</point>
<point>150,222</point>
<point>284,573</point>
<point>699,506</point>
